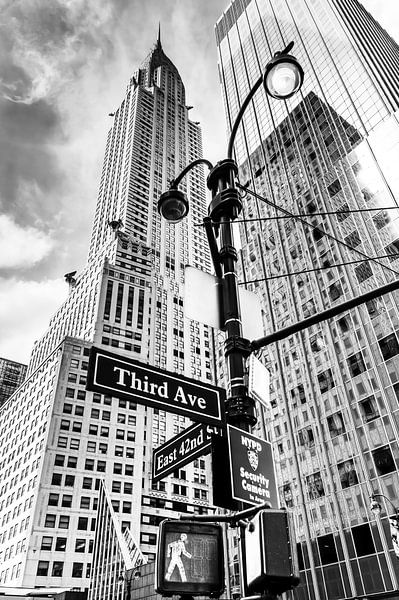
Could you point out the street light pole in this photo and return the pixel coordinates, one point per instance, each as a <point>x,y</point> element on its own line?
<point>283,77</point>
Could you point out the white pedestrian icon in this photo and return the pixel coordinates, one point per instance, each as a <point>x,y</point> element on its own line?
<point>175,551</point>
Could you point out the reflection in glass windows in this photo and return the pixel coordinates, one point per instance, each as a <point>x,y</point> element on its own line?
<point>347,473</point>
<point>315,486</point>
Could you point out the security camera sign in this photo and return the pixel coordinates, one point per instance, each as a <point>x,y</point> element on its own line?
<point>253,478</point>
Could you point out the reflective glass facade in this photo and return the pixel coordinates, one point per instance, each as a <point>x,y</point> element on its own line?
<point>322,227</point>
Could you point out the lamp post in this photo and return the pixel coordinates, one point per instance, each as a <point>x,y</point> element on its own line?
<point>376,508</point>
<point>282,78</point>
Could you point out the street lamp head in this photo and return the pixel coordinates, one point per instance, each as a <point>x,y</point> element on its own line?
<point>283,76</point>
<point>375,506</point>
<point>173,205</point>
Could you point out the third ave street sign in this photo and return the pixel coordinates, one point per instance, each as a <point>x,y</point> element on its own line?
<point>115,375</point>
<point>182,449</point>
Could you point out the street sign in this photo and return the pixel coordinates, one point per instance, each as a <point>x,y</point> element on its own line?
<point>252,473</point>
<point>116,375</point>
<point>182,449</point>
<point>258,381</point>
<point>189,559</point>
<point>200,285</point>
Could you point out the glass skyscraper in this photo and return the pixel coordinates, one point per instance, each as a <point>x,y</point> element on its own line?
<point>58,441</point>
<point>321,226</point>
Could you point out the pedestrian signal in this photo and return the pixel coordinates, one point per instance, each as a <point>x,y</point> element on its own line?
<point>270,560</point>
<point>189,559</point>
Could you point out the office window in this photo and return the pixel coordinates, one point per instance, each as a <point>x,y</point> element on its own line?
<point>128,488</point>
<point>91,446</point>
<point>85,502</point>
<point>306,437</point>
<point>315,485</point>
<point>118,450</point>
<point>389,346</point>
<point>383,460</point>
<point>118,468</point>
<point>42,568</point>
<point>336,424</point>
<point>49,520</point>
<point>347,473</point>
<point>93,429</point>
<point>80,545</point>
<point>63,522</point>
<point>47,542</point>
<point>62,442</point>
<point>83,523</point>
<point>116,486</point>
<point>87,483</point>
<point>363,271</point>
<point>89,464</point>
<point>356,364</point>
<point>69,480</point>
<point>326,380</point>
<point>77,426</point>
<point>327,549</point>
<point>79,410</point>
<point>101,465</point>
<point>368,408</point>
<point>60,544</point>
<point>72,462</point>
<point>127,507</point>
<point>77,569</point>
<point>56,479</point>
<point>363,540</point>
<point>129,470</point>
<point>74,444</point>
<point>59,460</point>
<point>334,188</point>
<point>393,250</point>
<point>66,500</point>
<point>53,499</point>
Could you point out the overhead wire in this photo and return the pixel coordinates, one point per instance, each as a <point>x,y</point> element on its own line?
<point>316,228</point>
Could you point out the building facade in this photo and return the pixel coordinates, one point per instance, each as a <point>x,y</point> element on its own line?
<point>321,210</point>
<point>58,441</point>
<point>12,375</point>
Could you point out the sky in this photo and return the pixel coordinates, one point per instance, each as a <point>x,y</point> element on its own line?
<point>64,66</point>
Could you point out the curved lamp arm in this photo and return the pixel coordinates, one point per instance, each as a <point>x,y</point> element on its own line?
<point>244,105</point>
<point>175,182</point>
<point>374,496</point>
<point>252,91</point>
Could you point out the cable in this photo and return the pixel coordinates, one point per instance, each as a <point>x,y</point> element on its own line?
<point>352,262</point>
<point>304,222</point>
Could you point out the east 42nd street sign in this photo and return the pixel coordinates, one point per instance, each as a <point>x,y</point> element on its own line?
<point>115,375</point>
<point>182,449</point>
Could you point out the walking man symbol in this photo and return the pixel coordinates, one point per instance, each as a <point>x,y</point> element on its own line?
<point>175,550</point>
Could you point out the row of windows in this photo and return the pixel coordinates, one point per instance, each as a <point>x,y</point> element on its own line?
<point>57,569</point>
<point>59,544</point>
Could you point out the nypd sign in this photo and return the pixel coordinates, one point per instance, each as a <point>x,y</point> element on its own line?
<point>253,478</point>
<point>116,375</point>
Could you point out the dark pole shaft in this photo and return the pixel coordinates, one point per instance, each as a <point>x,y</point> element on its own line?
<point>224,208</point>
<point>235,361</point>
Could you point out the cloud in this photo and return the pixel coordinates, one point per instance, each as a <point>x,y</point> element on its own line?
<point>20,248</point>
<point>44,45</point>
<point>25,310</point>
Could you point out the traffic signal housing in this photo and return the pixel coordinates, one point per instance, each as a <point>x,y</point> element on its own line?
<point>189,559</point>
<point>270,557</point>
